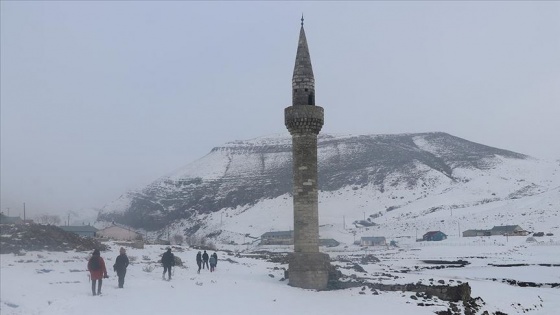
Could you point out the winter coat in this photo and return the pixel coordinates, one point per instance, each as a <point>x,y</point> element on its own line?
<point>212,261</point>
<point>205,256</point>
<point>215,257</point>
<point>121,263</point>
<point>97,274</point>
<point>168,259</point>
<point>198,258</point>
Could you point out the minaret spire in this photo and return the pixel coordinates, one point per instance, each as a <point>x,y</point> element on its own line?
<point>308,268</point>
<point>303,82</point>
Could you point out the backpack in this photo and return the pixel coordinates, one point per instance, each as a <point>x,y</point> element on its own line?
<point>94,264</point>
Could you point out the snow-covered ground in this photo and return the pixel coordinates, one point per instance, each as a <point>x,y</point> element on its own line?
<point>57,283</point>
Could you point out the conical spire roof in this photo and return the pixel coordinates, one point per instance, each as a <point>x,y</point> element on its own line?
<point>303,66</point>
<point>303,82</point>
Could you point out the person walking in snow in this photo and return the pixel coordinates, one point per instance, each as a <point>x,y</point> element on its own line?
<point>120,266</point>
<point>205,259</point>
<point>97,271</point>
<point>199,261</point>
<point>212,263</point>
<point>216,257</point>
<point>167,260</point>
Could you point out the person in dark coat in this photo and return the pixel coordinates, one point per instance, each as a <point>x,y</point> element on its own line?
<point>97,271</point>
<point>212,263</point>
<point>167,260</point>
<point>120,266</point>
<point>216,259</point>
<point>199,261</point>
<point>205,259</point>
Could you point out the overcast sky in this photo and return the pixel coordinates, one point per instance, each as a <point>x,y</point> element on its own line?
<point>99,97</point>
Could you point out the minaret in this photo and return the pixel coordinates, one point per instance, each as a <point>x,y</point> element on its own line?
<point>303,81</point>
<point>308,267</point>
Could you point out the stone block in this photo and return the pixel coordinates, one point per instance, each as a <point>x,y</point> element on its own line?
<point>309,270</point>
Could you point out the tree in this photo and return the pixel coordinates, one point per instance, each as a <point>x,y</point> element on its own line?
<point>49,219</point>
<point>178,238</point>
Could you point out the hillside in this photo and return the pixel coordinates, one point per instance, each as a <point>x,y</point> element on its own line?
<point>401,183</point>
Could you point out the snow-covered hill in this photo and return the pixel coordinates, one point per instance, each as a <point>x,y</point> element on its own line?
<point>400,185</point>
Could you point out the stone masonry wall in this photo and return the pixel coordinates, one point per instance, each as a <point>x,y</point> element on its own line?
<point>306,211</point>
<point>304,123</point>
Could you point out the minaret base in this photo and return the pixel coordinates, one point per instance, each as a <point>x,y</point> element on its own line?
<point>309,270</point>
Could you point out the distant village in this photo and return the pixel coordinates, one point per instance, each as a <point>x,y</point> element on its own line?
<point>287,237</point>
<point>118,232</point>
<point>114,232</point>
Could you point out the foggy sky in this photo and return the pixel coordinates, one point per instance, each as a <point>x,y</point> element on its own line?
<point>98,98</point>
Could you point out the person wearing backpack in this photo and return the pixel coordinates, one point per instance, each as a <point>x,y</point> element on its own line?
<point>120,266</point>
<point>212,263</point>
<point>167,260</point>
<point>216,258</point>
<point>97,271</point>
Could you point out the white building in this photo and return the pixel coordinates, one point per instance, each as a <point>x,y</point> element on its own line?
<point>373,241</point>
<point>119,233</point>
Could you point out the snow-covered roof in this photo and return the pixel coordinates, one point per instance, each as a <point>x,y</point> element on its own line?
<point>374,238</point>
<point>506,228</point>
<point>278,234</point>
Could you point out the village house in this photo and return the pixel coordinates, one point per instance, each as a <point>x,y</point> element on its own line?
<point>434,236</point>
<point>119,233</point>
<point>4,219</point>
<point>81,230</point>
<point>373,241</point>
<point>278,238</point>
<point>472,233</point>
<point>511,230</point>
<point>287,238</point>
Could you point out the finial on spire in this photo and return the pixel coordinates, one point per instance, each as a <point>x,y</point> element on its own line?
<point>302,19</point>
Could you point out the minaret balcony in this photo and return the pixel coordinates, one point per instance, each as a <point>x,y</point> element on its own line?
<point>304,119</point>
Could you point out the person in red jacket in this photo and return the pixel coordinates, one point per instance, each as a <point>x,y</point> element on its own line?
<point>97,271</point>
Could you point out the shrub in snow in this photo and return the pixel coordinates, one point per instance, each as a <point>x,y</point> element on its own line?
<point>178,261</point>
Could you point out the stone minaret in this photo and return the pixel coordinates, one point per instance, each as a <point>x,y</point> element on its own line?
<point>308,267</point>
